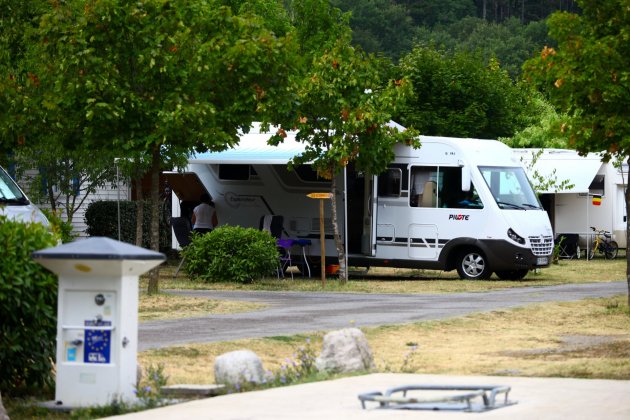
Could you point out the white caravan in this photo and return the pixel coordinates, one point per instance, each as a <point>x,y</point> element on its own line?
<point>453,204</point>
<point>574,210</point>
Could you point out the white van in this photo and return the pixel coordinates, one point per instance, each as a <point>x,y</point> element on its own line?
<point>453,204</point>
<point>15,205</point>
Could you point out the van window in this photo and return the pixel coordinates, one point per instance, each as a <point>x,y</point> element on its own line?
<point>306,173</point>
<point>390,182</point>
<point>424,180</point>
<point>235,172</point>
<point>9,191</point>
<point>510,187</point>
<point>433,186</point>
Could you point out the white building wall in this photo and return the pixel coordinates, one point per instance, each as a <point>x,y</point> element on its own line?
<point>78,220</point>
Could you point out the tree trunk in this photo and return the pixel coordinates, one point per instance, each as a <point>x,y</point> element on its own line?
<point>341,252</point>
<point>139,210</point>
<point>154,274</point>
<point>627,193</point>
<point>51,197</point>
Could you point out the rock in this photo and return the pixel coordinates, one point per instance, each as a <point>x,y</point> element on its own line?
<point>345,350</point>
<point>3,412</point>
<point>238,367</point>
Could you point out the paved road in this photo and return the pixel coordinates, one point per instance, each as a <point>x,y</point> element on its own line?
<point>296,312</point>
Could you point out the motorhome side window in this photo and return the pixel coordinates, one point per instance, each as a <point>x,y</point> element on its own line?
<point>441,187</point>
<point>424,180</point>
<point>393,181</point>
<point>236,172</point>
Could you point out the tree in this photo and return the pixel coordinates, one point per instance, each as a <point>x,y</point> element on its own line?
<point>155,78</point>
<point>379,26</point>
<point>459,96</point>
<point>16,19</point>
<point>510,42</point>
<point>430,13</point>
<point>543,131</point>
<point>342,110</point>
<point>588,77</point>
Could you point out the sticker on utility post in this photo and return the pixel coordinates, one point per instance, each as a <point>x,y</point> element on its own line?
<point>97,342</point>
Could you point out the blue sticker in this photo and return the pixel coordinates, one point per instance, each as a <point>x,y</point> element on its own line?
<point>71,354</point>
<point>97,343</point>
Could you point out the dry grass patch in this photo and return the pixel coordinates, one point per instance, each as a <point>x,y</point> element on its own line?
<point>589,338</point>
<point>167,306</point>
<point>194,364</point>
<point>576,339</point>
<point>397,280</point>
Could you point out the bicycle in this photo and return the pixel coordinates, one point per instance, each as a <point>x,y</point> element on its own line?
<point>604,244</point>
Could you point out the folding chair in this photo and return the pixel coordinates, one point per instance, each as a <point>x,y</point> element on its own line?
<point>182,230</point>
<point>568,245</point>
<point>274,224</point>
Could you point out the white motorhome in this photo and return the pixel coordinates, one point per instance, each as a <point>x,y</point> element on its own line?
<point>573,210</point>
<point>14,204</point>
<point>453,204</point>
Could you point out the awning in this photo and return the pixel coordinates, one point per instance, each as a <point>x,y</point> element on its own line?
<point>253,149</point>
<point>567,164</point>
<point>186,185</point>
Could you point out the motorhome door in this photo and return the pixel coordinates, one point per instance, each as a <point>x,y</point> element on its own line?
<point>368,239</point>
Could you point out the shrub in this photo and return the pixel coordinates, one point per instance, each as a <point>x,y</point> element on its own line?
<point>60,227</point>
<point>231,253</point>
<point>28,307</point>
<point>101,218</point>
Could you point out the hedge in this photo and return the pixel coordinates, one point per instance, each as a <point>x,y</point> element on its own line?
<point>28,308</point>
<point>101,218</point>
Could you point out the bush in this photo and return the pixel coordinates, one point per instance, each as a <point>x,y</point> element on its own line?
<point>231,253</point>
<point>101,218</point>
<point>28,308</point>
<point>60,227</point>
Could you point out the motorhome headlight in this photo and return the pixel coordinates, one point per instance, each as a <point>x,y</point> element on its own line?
<point>515,237</point>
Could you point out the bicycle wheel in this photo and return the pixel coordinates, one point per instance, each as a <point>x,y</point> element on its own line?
<point>611,250</point>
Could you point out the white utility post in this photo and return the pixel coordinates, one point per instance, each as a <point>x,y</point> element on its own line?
<point>97,318</point>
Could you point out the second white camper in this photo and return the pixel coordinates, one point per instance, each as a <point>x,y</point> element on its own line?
<point>453,204</point>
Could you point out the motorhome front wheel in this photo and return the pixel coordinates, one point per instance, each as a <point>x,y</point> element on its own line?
<point>472,265</point>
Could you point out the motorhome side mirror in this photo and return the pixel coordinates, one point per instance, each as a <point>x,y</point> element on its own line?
<point>466,181</point>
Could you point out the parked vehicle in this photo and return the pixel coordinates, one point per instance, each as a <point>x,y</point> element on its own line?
<point>14,203</point>
<point>595,195</point>
<point>453,204</point>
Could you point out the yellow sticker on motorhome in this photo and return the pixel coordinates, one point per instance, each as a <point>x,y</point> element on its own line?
<point>319,195</point>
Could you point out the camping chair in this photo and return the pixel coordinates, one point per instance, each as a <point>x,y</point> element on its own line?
<point>274,224</point>
<point>568,245</point>
<point>182,230</point>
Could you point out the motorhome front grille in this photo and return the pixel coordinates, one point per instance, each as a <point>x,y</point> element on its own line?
<point>541,245</point>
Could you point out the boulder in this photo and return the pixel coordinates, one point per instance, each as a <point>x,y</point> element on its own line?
<point>3,412</point>
<point>345,350</point>
<point>238,367</point>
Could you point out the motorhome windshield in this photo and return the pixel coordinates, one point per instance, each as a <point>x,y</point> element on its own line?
<point>510,187</point>
<point>9,192</point>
